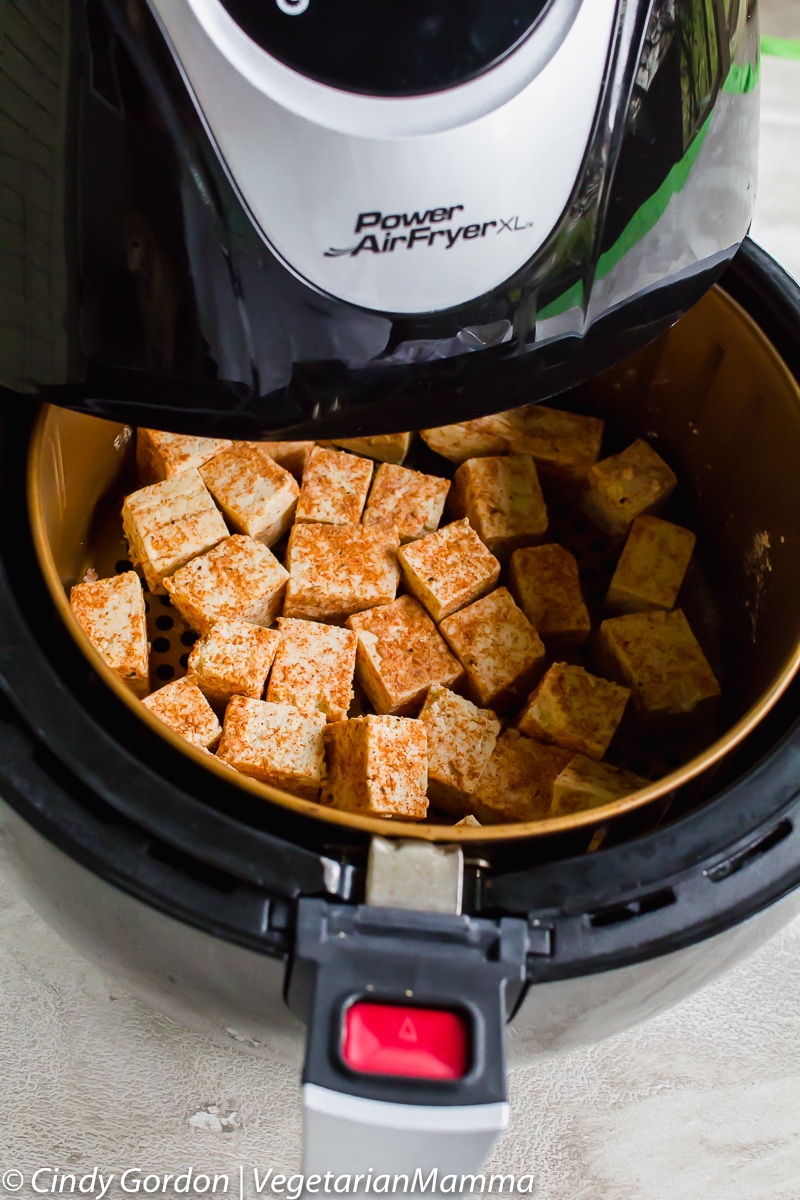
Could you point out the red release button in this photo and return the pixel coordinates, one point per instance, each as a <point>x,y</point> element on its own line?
<point>420,1043</point>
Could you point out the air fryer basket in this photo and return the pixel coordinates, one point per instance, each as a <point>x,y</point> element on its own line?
<point>714,399</point>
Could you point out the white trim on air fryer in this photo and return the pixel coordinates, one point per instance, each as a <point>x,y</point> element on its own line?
<point>507,146</point>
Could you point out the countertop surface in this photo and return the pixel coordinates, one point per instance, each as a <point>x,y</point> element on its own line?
<point>702,1103</point>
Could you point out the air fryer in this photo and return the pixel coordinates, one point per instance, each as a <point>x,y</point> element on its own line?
<point>222,259</point>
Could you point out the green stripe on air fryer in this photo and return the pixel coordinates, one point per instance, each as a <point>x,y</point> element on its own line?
<point>781,47</point>
<point>740,81</point>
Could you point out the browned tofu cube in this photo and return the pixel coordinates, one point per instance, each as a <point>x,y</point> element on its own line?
<point>292,456</point>
<point>233,659</point>
<point>239,580</point>
<point>585,783</point>
<point>111,614</point>
<point>183,707</point>
<point>619,489</point>
<point>545,583</point>
<point>400,654</point>
<point>574,709</point>
<point>502,500</point>
<point>275,743</point>
<point>500,650</point>
<point>658,657</point>
<point>257,497</point>
<point>313,668</point>
<point>169,523</point>
<point>461,738</point>
<point>165,455</point>
<point>564,445</point>
<point>335,487</point>
<point>651,567</point>
<point>377,766</point>
<point>517,784</point>
<point>469,439</point>
<point>448,569</point>
<point>409,500</point>
<point>386,447</point>
<point>336,570</point>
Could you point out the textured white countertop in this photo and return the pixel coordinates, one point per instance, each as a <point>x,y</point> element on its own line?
<point>702,1103</point>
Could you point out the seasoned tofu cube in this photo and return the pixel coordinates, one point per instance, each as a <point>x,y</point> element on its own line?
<point>183,707</point>
<point>468,439</point>
<point>111,614</point>
<point>619,489</point>
<point>500,650</point>
<point>658,657</point>
<point>165,455</point>
<point>257,497</point>
<point>502,500</point>
<point>377,766</point>
<point>336,570</point>
<point>469,821</point>
<point>564,445</point>
<point>386,447</point>
<point>545,583</point>
<point>400,654</point>
<point>517,784</point>
<point>574,709</point>
<point>335,487</point>
<point>651,567</point>
<point>409,500</point>
<point>585,783</point>
<point>448,569</point>
<point>292,456</point>
<point>233,659</point>
<point>275,743</point>
<point>461,738</point>
<point>239,580</point>
<point>313,668</point>
<point>169,523</point>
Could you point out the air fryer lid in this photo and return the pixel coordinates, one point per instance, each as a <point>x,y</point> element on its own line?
<point>723,410</point>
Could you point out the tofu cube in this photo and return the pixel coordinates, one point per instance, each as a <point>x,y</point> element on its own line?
<point>165,455</point>
<point>461,738</point>
<point>183,707</point>
<point>500,650</point>
<point>574,709</point>
<point>169,523</point>
<point>239,580</point>
<point>502,500</point>
<point>111,614</point>
<point>517,784</point>
<point>564,445</point>
<point>386,447</point>
<point>336,570</point>
<point>651,567</point>
<point>313,669</point>
<point>233,659</point>
<point>658,657</point>
<point>448,569</point>
<point>276,744</point>
<point>545,583</point>
<point>377,766</point>
<point>469,822</point>
<point>619,489</point>
<point>257,497</point>
<point>292,456</point>
<point>335,487</point>
<point>400,654</point>
<point>409,500</point>
<point>585,783</point>
<point>468,439</point>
